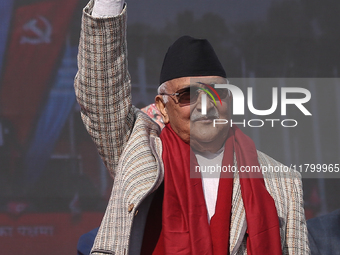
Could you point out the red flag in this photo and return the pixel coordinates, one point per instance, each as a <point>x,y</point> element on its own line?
<point>38,34</point>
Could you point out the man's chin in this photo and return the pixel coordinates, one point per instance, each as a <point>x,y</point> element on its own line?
<point>204,138</point>
<point>205,143</point>
<point>205,132</point>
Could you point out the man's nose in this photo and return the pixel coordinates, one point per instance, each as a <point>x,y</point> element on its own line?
<point>204,102</point>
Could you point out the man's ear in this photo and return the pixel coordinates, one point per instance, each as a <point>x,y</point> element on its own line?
<point>161,107</point>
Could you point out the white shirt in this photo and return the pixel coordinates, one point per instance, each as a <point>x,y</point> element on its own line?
<point>210,181</point>
<point>107,8</point>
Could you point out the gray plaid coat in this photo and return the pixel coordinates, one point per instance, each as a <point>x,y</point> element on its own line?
<point>129,144</point>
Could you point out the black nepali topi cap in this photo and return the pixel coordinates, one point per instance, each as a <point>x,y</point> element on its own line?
<point>190,57</point>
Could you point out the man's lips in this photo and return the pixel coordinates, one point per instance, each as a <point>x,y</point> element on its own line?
<point>205,118</point>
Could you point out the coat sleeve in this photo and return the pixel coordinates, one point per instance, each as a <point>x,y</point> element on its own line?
<point>103,86</point>
<point>296,232</point>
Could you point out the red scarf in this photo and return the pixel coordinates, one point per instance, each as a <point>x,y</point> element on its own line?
<point>185,227</point>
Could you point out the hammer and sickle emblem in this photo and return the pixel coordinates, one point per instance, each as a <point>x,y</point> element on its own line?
<point>41,35</point>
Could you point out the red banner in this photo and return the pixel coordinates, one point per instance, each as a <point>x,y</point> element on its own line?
<point>35,45</point>
<point>49,233</point>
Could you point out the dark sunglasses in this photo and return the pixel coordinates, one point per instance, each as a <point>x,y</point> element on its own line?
<point>189,95</point>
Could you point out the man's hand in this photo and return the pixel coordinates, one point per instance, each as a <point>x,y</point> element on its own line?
<point>107,8</point>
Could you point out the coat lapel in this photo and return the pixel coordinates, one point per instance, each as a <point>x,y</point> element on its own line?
<point>238,224</point>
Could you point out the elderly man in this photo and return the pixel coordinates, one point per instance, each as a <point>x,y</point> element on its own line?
<point>155,206</point>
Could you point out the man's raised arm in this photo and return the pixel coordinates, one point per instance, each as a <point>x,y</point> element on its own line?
<point>102,84</point>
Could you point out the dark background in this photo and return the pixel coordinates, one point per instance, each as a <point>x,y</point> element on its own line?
<point>61,173</point>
